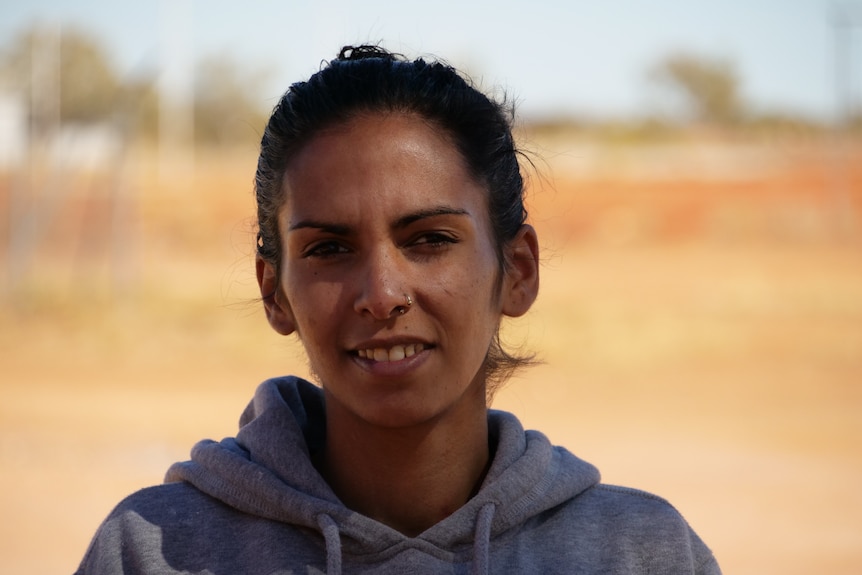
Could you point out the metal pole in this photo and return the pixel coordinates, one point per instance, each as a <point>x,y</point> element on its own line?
<point>844,19</point>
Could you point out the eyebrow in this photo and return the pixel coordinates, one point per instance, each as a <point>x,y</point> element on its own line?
<point>405,221</point>
<point>400,223</point>
<point>336,229</point>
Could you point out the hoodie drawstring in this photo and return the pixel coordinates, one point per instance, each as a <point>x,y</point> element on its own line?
<point>332,540</point>
<point>482,541</point>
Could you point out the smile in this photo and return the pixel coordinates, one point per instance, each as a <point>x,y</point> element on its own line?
<point>394,353</point>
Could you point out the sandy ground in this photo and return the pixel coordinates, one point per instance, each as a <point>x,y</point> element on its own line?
<point>700,324</point>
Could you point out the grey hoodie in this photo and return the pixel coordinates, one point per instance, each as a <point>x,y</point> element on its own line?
<point>255,504</point>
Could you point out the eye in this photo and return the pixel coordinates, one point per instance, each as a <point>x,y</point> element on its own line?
<point>325,249</point>
<point>434,240</point>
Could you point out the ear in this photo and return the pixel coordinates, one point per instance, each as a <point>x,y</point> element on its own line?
<point>277,310</point>
<point>521,285</point>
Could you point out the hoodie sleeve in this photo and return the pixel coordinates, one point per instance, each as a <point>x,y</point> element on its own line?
<point>651,533</point>
<point>678,549</point>
<point>166,529</point>
<point>174,529</point>
<point>111,553</point>
<point>703,559</point>
<point>126,542</point>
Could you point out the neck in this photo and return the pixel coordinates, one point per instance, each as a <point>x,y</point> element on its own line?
<point>407,478</point>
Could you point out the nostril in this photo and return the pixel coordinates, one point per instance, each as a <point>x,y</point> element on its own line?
<point>383,306</point>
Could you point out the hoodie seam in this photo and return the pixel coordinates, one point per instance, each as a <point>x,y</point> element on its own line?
<point>635,493</point>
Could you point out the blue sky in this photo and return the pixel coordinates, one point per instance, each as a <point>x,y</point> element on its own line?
<point>575,56</point>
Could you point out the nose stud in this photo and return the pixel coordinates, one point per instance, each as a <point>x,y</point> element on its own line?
<point>402,309</point>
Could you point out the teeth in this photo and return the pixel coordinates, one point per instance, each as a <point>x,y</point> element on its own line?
<point>394,353</point>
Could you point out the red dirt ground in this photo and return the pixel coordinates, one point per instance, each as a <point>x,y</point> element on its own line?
<point>700,322</point>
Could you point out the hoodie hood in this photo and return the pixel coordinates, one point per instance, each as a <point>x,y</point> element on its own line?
<point>267,471</point>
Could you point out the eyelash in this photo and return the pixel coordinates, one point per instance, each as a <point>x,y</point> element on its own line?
<point>325,249</point>
<point>434,241</point>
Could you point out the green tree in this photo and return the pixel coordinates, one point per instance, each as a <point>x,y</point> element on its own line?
<point>65,75</point>
<point>229,108</point>
<point>708,86</point>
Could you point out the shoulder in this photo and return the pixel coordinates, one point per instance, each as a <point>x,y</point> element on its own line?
<point>632,511</point>
<point>640,525</point>
<point>178,509</point>
<point>169,503</point>
<point>134,532</point>
<point>630,501</point>
<point>176,529</point>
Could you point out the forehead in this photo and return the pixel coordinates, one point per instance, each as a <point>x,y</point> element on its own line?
<point>388,161</point>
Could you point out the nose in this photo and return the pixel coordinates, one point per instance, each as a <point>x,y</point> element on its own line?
<point>382,292</point>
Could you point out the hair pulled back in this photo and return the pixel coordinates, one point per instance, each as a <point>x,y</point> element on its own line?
<point>365,79</point>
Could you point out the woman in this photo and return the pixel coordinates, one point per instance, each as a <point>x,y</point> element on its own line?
<point>392,240</point>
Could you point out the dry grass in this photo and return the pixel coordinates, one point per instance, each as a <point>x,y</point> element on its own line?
<point>700,322</point>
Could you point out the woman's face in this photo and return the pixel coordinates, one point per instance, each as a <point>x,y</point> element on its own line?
<point>378,209</point>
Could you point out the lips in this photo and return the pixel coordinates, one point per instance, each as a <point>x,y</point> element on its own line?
<point>392,353</point>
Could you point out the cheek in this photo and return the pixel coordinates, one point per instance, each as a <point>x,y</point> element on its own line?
<point>314,303</point>
<point>485,279</point>
<point>468,293</point>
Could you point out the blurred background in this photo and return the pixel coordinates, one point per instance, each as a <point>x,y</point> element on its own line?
<point>697,187</point>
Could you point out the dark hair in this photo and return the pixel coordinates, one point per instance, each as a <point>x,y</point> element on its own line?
<point>370,79</point>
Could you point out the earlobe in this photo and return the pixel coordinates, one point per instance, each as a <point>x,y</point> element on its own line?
<point>278,312</point>
<point>522,282</point>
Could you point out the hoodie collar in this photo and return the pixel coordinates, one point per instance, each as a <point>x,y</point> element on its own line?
<point>267,471</point>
